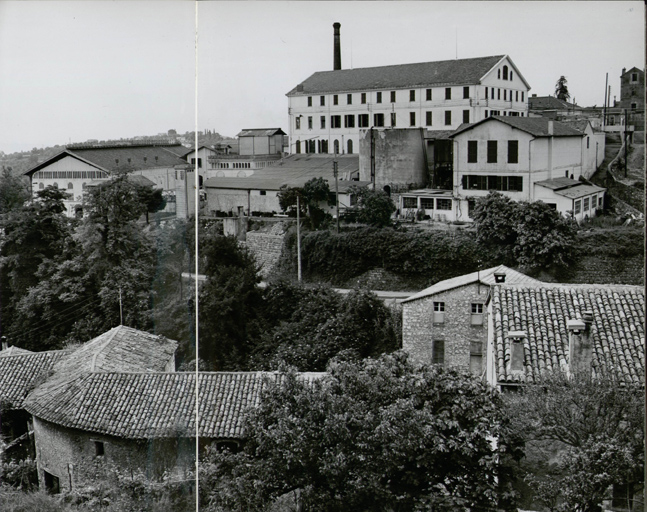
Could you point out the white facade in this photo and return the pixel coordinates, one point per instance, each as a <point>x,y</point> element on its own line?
<point>329,122</point>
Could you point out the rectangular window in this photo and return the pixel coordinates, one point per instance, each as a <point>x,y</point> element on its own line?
<point>378,97</point>
<point>427,203</point>
<point>264,192</point>
<point>577,207</point>
<point>513,151</point>
<point>466,116</point>
<point>491,151</point>
<point>439,313</point>
<point>322,101</point>
<point>634,77</point>
<point>438,356</point>
<point>412,95</point>
<point>505,94</point>
<point>412,118</point>
<point>500,183</point>
<point>443,204</point>
<point>600,201</point>
<point>393,116</point>
<point>522,96</point>
<point>335,121</point>
<point>466,93</point>
<point>309,122</point>
<point>392,96</point>
<point>472,151</point>
<point>428,94</point>
<point>498,94</point>
<point>409,202</point>
<point>297,123</point>
<point>428,118</point>
<point>99,449</point>
<point>335,99</point>
<point>516,95</point>
<point>476,357</point>
<point>363,98</point>
<point>362,120</point>
<point>323,122</point>
<point>486,93</point>
<point>492,92</point>
<point>378,119</point>
<point>448,93</point>
<point>585,205</point>
<point>349,99</point>
<point>448,117</point>
<point>309,101</point>
<point>349,121</point>
<point>477,314</point>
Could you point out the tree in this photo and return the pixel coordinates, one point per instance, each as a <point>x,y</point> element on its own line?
<point>375,207</point>
<point>591,425</point>
<point>374,435</point>
<point>311,195</point>
<point>13,191</point>
<point>532,235</point>
<point>230,303</point>
<point>561,89</point>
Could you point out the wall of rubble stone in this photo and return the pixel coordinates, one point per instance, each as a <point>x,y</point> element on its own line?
<point>266,244</point>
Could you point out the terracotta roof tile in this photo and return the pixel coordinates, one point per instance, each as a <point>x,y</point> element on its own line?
<point>618,329</point>
<point>148,405</point>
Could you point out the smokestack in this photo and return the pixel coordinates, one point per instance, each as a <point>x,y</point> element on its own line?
<point>337,47</point>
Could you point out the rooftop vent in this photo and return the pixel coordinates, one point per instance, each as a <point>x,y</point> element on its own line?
<point>499,277</point>
<point>516,350</point>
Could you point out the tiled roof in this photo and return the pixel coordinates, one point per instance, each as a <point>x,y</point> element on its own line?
<point>13,351</point>
<point>260,132</point>
<point>549,103</point>
<point>140,406</point>
<point>181,151</point>
<point>19,373</point>
<point>485,276</point>
<point>536,126</point>
<point>293,171</point>
<point>446,72</point>
<point>617,332</point>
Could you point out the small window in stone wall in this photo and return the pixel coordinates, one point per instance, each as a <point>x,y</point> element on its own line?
<point>477,314</point>
<point>99,449</point>
<point>438,352</point>
<point>439,312</point>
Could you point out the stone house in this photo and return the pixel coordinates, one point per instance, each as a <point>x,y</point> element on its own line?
<point>447,323</point>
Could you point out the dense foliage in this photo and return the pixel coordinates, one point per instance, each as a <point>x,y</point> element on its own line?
<point>374,207</point>
<point>581,436</point>
<point>310,198</point>
<point>530,235</point>
<point>375,435</point>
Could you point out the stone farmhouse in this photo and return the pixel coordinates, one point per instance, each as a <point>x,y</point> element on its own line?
<point>510,328</point>
<point>527,159</point>
<point>116,403</point>
<point>81,164</point>
<point>447,322</point>
<point>329,109</point>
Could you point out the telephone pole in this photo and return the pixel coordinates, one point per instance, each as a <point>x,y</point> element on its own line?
<point>335,171</point>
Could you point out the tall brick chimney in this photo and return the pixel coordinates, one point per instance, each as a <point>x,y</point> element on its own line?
<point>337,47</point>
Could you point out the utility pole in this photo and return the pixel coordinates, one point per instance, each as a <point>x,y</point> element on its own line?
<point>625,143</point>
<point>298,240</point>
<point>604,115</point>
<point>121,310</point>
<point>335,172</point>
<point>372,158</point>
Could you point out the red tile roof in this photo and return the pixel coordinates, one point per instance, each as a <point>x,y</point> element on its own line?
<point>447,72</point>
<point>141,406</point>
<point>617,332</point>
<point>20,373</point>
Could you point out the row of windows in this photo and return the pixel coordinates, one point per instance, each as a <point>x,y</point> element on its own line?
<point>477,307</point>
<point>588,203</point>
<point>363,120</point>
<point>41,186</point>
<point>507,96</point>
<point>427,203</point>
<point>66,175</point>
<point>476,310</point>
<point>500,183</point>
<point>309,146</point>
<point>492,151</point>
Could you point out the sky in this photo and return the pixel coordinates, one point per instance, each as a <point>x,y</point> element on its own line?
<point>72,71</point>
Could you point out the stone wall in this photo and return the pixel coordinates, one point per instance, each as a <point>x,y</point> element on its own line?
<point>602,270</point>
<point>71,456</point>
<point>266,245</point>
<point>419,332</point>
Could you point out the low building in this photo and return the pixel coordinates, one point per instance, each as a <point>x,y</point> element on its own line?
<point>447,323</point>
<point>579,200</point>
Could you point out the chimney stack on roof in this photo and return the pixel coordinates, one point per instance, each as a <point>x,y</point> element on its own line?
<point>499,277</point>
<point>550,127</point>
<point>337,47</point>
<point>580,348</point>
<point>5,343</point>
<point>516,361</point>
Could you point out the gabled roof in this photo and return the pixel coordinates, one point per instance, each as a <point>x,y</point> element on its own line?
<point>260,132</point>
<point>617,332</point>
<point>14,351</point>
<point>485,277</point>
<point>141,406</point>
<point>20,372</point>
<point>105,158</point>
<point>536,126</point>
<point>550,103</point>
<point>446,72</point>
<point>632,70</point>
<point>294,171</point>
